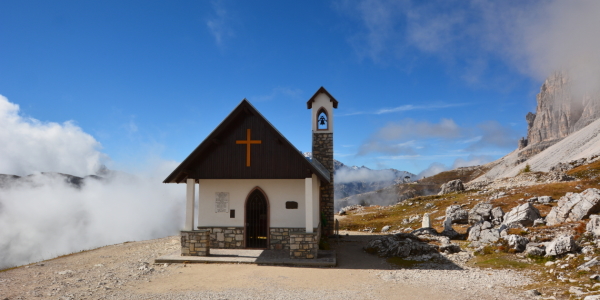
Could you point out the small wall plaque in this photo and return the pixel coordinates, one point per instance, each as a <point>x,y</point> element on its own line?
<point>291,205</point>
<point>221,202</point>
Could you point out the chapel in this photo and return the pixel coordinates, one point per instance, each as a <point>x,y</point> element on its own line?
<point>254,189</point>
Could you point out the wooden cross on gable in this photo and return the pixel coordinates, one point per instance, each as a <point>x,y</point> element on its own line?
<point>248,141</point>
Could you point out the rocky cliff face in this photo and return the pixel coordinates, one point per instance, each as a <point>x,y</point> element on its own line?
<point>559,113</point>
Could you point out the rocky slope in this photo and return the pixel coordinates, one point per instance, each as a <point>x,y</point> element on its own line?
<point>560,112</point>
<point>565,127</point>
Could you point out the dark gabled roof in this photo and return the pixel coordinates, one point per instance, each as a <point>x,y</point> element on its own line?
<point>321,90</point>
<point>185,169</point>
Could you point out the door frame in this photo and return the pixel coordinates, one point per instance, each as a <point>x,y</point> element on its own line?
<point>268,217</point>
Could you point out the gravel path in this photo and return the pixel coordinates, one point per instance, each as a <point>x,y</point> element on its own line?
<point>125,271</point>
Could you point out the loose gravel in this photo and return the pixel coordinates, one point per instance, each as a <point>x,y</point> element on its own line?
<point>126,271</point>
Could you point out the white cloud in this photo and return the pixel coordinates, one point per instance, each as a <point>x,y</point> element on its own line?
<point>363,175</point>
<point>403,108</point>
<point>43,216</point>
<point>471,160</point>
<point>279,92</point>
<point>409,137</point>
<point>219,24</point>
<point>29,145</point>
<point>534,37</point>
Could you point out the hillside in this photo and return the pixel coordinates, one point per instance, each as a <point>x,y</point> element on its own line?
<point>562,275</point>
<point>401,191</point>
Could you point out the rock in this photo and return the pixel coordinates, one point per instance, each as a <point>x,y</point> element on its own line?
<point>65,272</point>
<point>595,277</point>
<point>558,112</point>
<point>399,245</point>
<point>448,224</point>
<point>592,297</point>
<point>450,248</point>
<point>385,228</point>
<point>480,212</point>
<point>575,206</point>
<point>532,293</point>
<point>484,233</point>
<point>452,187</point>
<point>424,231</point>
<point>524,215</point>
<point>561,245</point>
<point>587,265</point>
<point>457,214</point>
<point>577,290</point>
<point>535,249</point>
<point>539,222</point>
<point>544,200</point>
<point>593,226</point>
<point>426,223</point>
<point>517,242</point>
<point>497,215</point>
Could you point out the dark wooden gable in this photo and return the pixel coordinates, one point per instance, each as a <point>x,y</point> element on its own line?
<point>321,90</point>
<point>220,157</point>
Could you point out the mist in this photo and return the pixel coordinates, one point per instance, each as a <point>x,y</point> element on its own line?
<point>43,216</point>
<point>363,175</point>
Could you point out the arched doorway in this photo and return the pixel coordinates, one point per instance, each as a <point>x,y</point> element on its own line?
<point>257,220</point>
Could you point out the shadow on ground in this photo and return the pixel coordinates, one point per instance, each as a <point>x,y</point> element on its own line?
<point>351,255</point>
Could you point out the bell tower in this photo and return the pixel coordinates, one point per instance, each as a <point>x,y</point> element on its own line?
<point>322,105</point>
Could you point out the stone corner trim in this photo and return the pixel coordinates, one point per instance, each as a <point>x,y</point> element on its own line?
<point>195,243</point>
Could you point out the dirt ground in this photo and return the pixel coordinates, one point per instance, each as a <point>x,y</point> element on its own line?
<point>125,271</point>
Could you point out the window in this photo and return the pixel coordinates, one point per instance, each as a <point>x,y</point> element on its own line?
<point>322,120</point>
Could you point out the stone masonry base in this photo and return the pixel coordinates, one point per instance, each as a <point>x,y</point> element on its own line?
<point>226,237</point>
<point>195,243</point>
<point>304,245</point>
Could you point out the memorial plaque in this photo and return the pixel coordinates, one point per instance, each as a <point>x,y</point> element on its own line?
<point>222,202</point>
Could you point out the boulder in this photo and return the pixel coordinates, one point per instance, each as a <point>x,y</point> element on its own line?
<point>457,214</point>
<point>385,228</point>
<point>483,232</point>
<point>480,212</point>
<point>561,245</point>
<point>587,265</point>
<point>593,226</point>
<point>575,206</point>
<point>399,245</point>
<point>535,249</point>
<point>452,187</point>
<point>517,242</point>
<point>592,297</point>
<point>544,200</point>
<point>497,215</point>
<point>524,215</point>
<point>450,248</point>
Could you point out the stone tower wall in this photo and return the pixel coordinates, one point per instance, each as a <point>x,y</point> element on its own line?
<point>322,151</point>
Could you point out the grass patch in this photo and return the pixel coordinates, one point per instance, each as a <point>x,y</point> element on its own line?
<point>499,261</point>
<point>403,263</point>
<point>586,171</point>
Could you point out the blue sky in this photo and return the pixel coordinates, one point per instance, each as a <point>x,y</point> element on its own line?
<point>442,83</point>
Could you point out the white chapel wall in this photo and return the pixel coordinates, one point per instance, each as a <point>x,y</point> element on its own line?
<point>278,191</point>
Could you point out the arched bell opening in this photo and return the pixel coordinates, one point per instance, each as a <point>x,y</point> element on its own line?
<point>322,119</point>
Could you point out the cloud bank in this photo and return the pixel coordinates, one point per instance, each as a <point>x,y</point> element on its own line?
<point>43,216</point>
<point>29,145</point>
<point>535,38</point>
